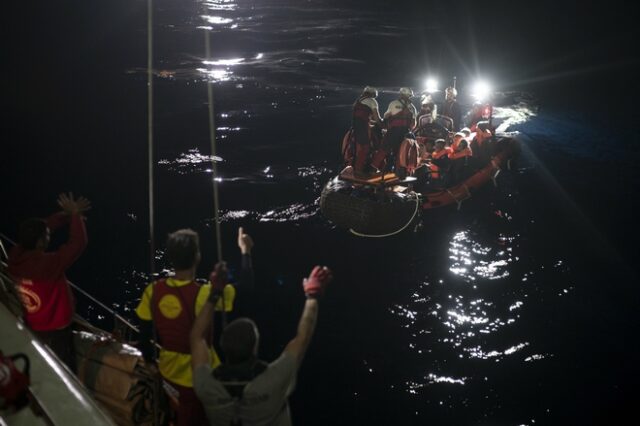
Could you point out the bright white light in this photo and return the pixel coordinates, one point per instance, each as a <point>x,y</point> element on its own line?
<point>224,62</point>
<point>216,74</point>
<point>259,56</point>
<point>481,90</point>
<point>217,20</point>
<point>431,85</point>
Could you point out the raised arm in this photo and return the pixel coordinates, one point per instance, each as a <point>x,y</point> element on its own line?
<point>313,287</point>
<point>71,250</point>
<point>205,319</point>
<point>246,279</point>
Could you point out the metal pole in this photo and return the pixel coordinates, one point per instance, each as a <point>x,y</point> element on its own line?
<point>152,248</point>
<point>212,137</point>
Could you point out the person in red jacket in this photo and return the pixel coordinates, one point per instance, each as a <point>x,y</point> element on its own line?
<point>40,275</point>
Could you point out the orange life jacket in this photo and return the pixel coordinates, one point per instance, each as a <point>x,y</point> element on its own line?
<point>402,119</point>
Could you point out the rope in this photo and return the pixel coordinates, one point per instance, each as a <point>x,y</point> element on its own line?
<point>152,248</point>
<point>356,233</point>
<point>214,168</point>
<point>212,137</point>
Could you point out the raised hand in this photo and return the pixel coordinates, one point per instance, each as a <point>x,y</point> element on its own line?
<point>315,285</point>
<point>219,278</point>
<point>244,241</point>
<point>71,206</point>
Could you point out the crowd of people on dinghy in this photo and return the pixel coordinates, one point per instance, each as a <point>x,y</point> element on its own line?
<point>436,144</point>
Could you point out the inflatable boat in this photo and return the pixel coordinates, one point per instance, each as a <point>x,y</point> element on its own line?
<point>384,205</point>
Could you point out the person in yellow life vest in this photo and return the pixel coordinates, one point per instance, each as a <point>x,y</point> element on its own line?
<point>172,304</point>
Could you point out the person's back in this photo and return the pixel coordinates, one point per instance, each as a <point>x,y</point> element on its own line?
<point>365,110</point>
<point>40,275</point>
<point>399,118</point>
<point>245,390</point>
<point>171,306</point>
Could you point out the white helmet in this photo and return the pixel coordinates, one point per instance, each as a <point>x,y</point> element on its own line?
<point>370,91</point>
<point>451,91</point>
<point>406,91</point>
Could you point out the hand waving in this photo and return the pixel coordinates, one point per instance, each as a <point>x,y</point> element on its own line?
<point>244,241</point>
<point>315,285</point>
<point>71,206</point>
<point>218,278</point>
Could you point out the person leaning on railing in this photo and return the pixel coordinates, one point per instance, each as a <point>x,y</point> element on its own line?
<point>172,304</point>
<point>46,295</point>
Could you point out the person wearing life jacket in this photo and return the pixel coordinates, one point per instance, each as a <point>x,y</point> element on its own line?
<point>171,306</point>
<point>365,111</point>
<point>47,298</point>
<point>451,109</point>
<point>440,162</point>
<point>460,159</point>
<point>427,115</point>
<point>245,390</point>
<point>399,118</point>
<point>482,143</point>
<point>481,111</point>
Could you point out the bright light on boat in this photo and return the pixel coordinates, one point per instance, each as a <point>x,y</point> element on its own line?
<point>259,56</point>
<point>431,85</point>
<point>481,90</point>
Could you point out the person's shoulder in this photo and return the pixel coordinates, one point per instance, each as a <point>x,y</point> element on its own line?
<point>285,361</point>
<point>370,102</point>
<point>204,382</point>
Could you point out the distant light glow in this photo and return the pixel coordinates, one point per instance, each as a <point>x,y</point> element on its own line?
<point>224,62</point>
<point>259,56</point>
<point>217,74</point>
<point>431,85</point>
<point>217,20</point>
<point>481,90</point>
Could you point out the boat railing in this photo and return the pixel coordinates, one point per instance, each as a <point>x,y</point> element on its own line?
<point>122,328</point>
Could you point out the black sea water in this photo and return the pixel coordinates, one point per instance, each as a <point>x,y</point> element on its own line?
<point>517,309</point>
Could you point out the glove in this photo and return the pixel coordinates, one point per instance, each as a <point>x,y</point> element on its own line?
<point>218,278</point>
<point>316,283</point>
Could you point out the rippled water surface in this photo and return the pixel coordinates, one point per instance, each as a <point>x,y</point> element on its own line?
<point>514,310</point>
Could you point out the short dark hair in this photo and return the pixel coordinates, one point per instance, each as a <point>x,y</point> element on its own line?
<point>31,231</point>
<point>239,340</point>
<point>183,248</point>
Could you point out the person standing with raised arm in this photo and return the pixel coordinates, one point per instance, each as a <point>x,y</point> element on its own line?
<point>40,275</point>
<point>171,305</point>
<point>245,390</point>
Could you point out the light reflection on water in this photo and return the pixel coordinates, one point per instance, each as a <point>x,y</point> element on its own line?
<point>465,323</point>
<point>471,260</point>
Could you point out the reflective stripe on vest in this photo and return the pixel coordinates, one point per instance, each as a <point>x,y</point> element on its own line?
<point>402,119</point>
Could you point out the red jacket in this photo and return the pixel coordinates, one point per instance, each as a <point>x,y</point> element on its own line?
<point>46,294</point>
